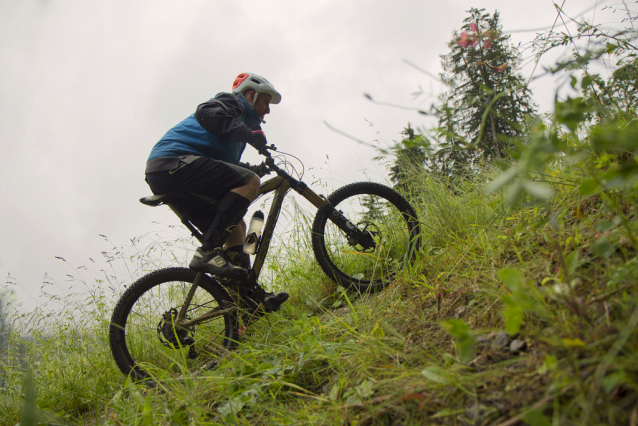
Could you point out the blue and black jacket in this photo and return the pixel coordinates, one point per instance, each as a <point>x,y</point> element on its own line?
<point>219,129</point>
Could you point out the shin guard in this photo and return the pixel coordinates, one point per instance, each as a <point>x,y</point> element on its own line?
<point>230,211</point>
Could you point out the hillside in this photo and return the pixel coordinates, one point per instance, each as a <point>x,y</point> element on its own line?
<point>506,316</point>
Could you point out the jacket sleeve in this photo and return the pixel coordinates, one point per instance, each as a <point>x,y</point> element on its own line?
<point>219,117</point>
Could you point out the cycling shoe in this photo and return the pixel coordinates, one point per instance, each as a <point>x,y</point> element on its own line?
<point>274,301</point>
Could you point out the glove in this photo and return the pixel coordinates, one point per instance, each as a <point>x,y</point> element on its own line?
<point>257,139</point>
<point>260,170</point>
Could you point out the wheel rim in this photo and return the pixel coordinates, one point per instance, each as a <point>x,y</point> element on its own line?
<point>390,229</point>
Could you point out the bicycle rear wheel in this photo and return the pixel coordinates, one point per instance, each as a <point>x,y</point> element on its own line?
<point>384,214</point>
<point>144,340</point>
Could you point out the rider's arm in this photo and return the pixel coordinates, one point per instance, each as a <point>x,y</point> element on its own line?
<point>219,117</point>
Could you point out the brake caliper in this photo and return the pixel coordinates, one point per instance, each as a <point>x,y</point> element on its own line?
<point>354,234</point>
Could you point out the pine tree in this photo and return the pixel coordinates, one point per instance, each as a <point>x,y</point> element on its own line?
<point>411,155</point>
<point>480,72</point>
<point>618,96</point>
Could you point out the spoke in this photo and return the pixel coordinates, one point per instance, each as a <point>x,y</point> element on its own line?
<point>154,337</point>
<point>384,224</point>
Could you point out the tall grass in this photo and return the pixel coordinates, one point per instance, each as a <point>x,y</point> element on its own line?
<point>397,357</point>
<point>63,341</point>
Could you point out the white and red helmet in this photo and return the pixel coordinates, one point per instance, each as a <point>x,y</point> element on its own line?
<point>248,80</point>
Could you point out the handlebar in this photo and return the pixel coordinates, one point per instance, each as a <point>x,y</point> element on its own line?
<point>264,150</point>
<point>269,163</point>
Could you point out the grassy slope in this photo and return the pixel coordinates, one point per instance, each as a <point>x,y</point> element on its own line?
<point>332,358</point>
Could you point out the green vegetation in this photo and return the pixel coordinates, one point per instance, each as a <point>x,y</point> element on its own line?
<point>487,99</point>
<point>521,306</point>
<point>504,314</point>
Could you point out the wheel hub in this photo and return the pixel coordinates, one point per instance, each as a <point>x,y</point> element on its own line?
<point>175,337</point>
<point>369,228</point>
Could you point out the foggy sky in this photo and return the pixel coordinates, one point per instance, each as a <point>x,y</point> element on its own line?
<point>87,88</point>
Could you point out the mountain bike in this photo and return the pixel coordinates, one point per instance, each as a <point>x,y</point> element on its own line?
<point>176,320</point>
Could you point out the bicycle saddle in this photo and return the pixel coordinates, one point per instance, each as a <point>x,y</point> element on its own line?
<point>155,200</point>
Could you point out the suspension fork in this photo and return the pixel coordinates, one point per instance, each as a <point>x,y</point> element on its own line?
<point>354,234</point>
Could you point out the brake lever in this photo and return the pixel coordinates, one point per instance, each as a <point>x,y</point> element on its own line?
<point>264,169</point>
<point>264,150</point>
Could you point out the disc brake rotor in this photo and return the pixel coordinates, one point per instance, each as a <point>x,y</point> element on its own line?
<point>372,229</point>
<point>174,337</point>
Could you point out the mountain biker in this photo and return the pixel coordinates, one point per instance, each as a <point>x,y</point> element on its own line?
<point>198,161</point>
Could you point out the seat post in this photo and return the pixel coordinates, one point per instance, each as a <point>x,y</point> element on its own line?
<point>194,232</point>
<point>156,200</point>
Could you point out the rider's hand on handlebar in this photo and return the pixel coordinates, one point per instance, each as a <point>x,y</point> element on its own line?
<point>260,170</point>
<point>257,140</point>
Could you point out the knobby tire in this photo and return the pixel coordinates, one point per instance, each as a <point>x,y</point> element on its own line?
<point>134,331</point>
<point>391,220</point>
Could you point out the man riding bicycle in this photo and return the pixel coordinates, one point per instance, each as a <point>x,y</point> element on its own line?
<point>198,162</point>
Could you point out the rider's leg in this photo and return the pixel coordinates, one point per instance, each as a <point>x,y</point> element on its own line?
<point>235,188</point>
<point>250,190</point>
<point>231,209</point>
<point>234,247</point>
<point>238,235</point>
<point>234,244</point>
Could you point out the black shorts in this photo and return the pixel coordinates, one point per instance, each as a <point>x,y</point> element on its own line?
<point>199,185</point>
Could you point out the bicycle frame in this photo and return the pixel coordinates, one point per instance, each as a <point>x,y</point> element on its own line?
<point>280,184</point>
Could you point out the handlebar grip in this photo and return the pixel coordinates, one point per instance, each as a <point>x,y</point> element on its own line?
<point>264,150</point>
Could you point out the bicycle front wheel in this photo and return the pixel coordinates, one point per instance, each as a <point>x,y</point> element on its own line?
<point>144,339</point>
<point>379,211</point>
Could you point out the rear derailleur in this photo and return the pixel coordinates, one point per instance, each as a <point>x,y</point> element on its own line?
<point>173,336</point>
